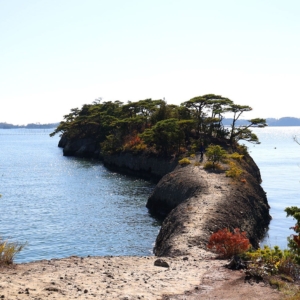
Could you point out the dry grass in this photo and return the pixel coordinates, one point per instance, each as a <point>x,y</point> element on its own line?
<point>8,251</point>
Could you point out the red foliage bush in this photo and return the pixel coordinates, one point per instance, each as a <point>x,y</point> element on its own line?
<point>227,244</point>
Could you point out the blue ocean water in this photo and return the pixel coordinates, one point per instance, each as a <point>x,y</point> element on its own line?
<point>64,206</point>
<point>278,157</point>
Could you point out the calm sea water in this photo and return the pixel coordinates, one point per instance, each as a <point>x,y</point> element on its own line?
<point>64,206</point>
<point>278,158</point>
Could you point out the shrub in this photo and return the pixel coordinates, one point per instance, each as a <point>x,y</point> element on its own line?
<point>227,244</point>
<point>236,156</point>
<point>8,251</point>
<point>210,165</point>
<point>268,259</point>
<point>135,143</point>
<point>193,155</point>
<point>215,154</point>
<point>184,161</point>
<point>243,149</point>
<point>294,239</point>
<point>233,171</point>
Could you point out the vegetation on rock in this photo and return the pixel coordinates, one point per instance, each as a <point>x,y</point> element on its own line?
<point>227,244</point>
<point>281,268</point>
<point>215,154</point>
<point>184,161</point>
<point>158,127</point>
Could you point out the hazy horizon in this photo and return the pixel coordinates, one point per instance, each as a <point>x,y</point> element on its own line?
<point>58,55</point>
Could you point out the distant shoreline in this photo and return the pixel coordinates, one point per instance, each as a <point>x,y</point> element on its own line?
<point>28,126</point>
<point>284,121</point>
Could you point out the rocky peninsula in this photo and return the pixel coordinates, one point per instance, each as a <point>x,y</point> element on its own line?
<point>146,139</point>
<point>191,196</point>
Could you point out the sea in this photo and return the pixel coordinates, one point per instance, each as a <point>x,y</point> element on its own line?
<point>278,158</point>
<point>63,206</point>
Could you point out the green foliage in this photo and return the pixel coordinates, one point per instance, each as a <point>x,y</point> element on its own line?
<point>227,244</point>
<point>285,264</point>
<point>234,171</point>
<point>238,133</point>
<point>184,161</point>
<point>165,135</point>
<point>165,128</point>
<point>8,251</point>
<point>242,149</point>
<point>236,156</point>
<point>294,239</point>
<point>111,145</point>
<point>207,111</point>
<point>215,154</point>
<point>267,259</point>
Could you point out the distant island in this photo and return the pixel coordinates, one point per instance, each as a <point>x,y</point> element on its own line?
<point>285,121</point>
<point>28,126</point>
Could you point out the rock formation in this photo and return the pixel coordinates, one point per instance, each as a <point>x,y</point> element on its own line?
<point>200,202</point>
<point>194,202</point>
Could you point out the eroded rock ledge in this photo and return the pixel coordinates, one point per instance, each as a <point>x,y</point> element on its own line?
<point>200,202</point>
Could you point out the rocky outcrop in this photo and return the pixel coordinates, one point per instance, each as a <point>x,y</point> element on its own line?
<point>200,203</point>
<point>80,147</point>
<point>143,165</point>
<point>173,189</point>
<point>194,202</point>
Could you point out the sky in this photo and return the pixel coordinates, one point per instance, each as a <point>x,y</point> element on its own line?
<point>56,55</point>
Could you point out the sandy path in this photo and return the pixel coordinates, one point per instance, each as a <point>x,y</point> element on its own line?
<point>103,278</point>
<point>128,278</point>
<point>198,210</point>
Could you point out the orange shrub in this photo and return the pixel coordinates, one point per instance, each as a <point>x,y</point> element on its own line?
<point>227,244</point>
<point>134,143</point>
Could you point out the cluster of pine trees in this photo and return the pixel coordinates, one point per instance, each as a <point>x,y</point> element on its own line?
<point>156,125</point>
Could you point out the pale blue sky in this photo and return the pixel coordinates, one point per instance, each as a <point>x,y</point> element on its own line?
<point>57,55</point>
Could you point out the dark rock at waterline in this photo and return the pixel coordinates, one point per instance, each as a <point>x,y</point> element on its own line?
<point>80,148</point>
<point>149,166</point>
<point>145,165</point>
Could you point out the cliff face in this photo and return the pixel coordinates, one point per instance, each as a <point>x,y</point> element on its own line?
<point>146,166</point>
<point>79,148</point>
<point>143,165</point>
